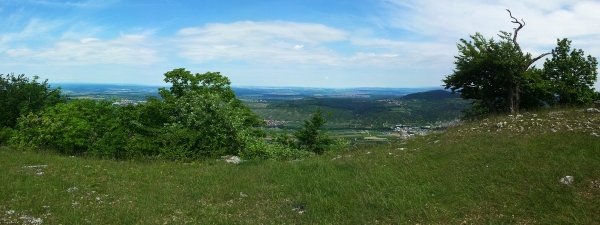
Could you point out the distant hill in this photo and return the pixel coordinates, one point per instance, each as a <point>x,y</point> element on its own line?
<point>370,108</point>
<point>369,112</point>
<point>431,95</point>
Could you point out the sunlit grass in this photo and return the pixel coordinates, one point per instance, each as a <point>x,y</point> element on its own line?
<point>465,175</point>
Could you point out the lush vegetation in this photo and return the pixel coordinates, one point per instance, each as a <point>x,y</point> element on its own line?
<point>506,168</point>
<point>198,117</point>
<point>499,77</point>
<point>379,112</point>
<point>477,173</point>
<point>20,96</point>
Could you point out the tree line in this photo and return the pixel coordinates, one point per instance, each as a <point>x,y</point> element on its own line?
<point>499,77</point>
<point>198,117</point>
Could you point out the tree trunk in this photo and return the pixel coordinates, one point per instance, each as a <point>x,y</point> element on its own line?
<point>489,104</point>
<point>517,98</point>
<point>513,98</point>
<point>514,92</point>
<point>510,101</point>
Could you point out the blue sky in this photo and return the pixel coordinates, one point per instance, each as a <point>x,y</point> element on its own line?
<point>310,43</point>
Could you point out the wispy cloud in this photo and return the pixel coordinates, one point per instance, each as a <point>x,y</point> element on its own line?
<point>124,50</point>
<point>260,41</point>
<point>33,29</point>
<point>451,20</point>
<point>81,29</point>
<point>440,24</point>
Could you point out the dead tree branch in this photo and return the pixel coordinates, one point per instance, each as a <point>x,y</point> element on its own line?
<point>536,59</point>
<point>521,25</point>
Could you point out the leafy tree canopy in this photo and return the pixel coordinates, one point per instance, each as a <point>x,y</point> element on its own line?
<point>498,76</point>
<point>571,75</point>
<point>19,96</point>
<point>310,137</point>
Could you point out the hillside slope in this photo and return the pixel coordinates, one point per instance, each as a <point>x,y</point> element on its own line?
<point>501,170</point>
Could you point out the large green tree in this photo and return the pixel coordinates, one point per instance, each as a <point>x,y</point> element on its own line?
<point>198,116</point>
<point>20,95</point>
<point>493,73</point>
<point>571,75</point>
<point>184,83</point>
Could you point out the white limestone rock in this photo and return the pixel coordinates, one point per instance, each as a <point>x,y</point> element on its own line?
<point>568,180</point>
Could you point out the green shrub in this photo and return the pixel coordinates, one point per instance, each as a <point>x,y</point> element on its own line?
<point>199,117</point>
<point>19,96</point>
<point>5,134</point>
<point>72,128</point>
<point>310,137</point>
<point>258,148</point>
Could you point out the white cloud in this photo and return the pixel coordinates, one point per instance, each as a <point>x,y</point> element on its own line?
<point>87,40</point>
<point>438,25</point>
<point>34,28</point>
<point>451,20</point>
<point>379,60</point>
<point>260,31</point>
<point>80,30</point>
<point>126,49</point>
<point>260,41</point>
<point>428,57</point>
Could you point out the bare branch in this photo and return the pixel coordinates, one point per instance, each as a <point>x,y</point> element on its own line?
<point>521,25</point>
<point>536,59</point>
<point>539,57</point>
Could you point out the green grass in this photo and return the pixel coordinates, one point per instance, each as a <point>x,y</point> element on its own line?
<point>477,173</point>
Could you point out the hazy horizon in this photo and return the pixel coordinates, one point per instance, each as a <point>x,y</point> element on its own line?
<point>53,84</point>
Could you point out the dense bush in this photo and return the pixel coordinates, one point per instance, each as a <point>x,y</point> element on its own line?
<point>20,96</point>
<point>258,148</point>
<point>81,126</point>
<point>310,137</point>
<point>5,134</point>
<point>198,117</point>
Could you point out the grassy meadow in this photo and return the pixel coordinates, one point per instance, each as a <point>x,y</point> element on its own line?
<point>500,170</point>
